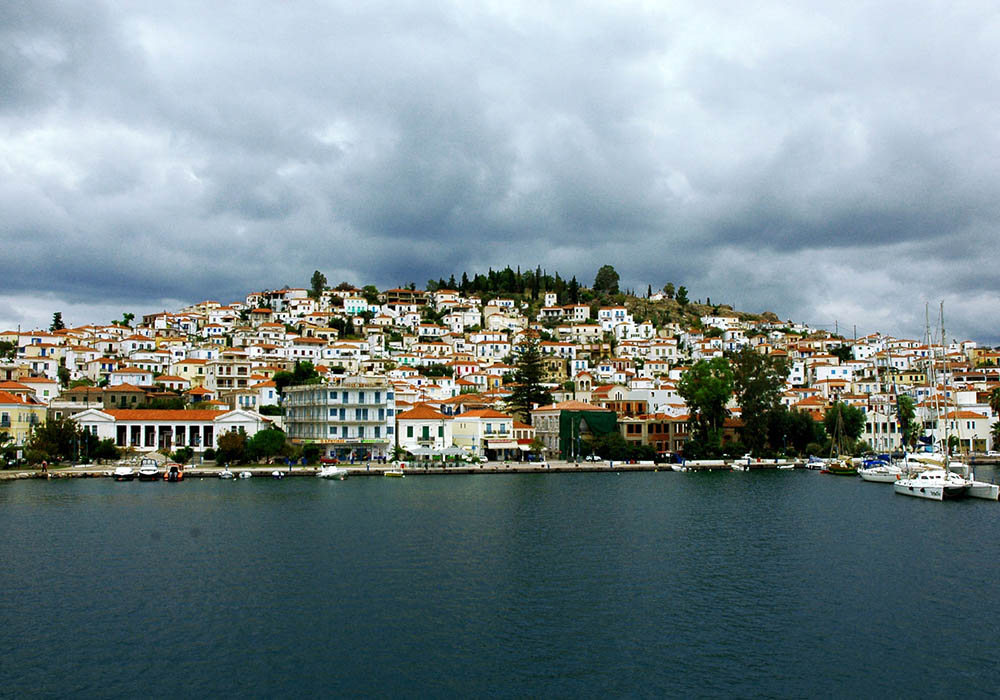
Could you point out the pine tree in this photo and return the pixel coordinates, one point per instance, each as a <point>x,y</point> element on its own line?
<point>317,284</point>
<point>527,391</point>
<point>57,322</point>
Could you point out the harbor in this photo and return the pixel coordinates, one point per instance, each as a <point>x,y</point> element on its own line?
<point>545,585</point>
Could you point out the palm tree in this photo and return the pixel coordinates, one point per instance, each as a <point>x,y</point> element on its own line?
<point>995,401</point>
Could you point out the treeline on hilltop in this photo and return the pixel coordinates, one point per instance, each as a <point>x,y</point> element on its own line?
<point>531,284</point>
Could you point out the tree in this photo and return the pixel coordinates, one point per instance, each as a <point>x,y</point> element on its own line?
<point>265,444</point>
<point>706,389</point>
<point>8,349</point>
<point>55,439</point>
<point>303,373</point>
<point>758,380</point>
<point>106,449</point>
<point>371,294</point>
<point>183,455</point>
<point>909,428</point>
<point>527,390</point>
<point>232,446</point>
<point>682,295</point>
<point>317,284</point>
<point>844,421</point>
<point>57,322</point>
<point>843,353</point>
<point>606,281</point>
<point>668,289</point>
<point>795,429</point>
<point>574,291</point>
<point>995,434</point>
<point>994,402</point>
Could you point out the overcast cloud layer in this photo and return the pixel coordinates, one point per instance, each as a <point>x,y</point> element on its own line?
<point>825,161</point>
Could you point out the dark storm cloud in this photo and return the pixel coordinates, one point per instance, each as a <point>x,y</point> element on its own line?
<point>783,158</point>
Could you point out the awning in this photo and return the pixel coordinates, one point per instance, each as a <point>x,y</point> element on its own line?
<point>524,448</point>
<point>501,444</point>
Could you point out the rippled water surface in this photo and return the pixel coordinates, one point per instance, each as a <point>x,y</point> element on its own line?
<point>774,584</point>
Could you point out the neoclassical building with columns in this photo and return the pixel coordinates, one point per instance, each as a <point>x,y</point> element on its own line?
<point>149,430</point>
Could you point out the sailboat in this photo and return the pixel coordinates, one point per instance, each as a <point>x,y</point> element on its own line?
<point>836,464</point>
<point>880,470</point>
<point>941,481</point>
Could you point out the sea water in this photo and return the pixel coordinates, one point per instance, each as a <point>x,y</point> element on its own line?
<point>774,584</point>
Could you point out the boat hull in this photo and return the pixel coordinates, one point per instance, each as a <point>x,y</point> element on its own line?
<point>982,489</point>
<point>933,493</point>
<point>879,477</point>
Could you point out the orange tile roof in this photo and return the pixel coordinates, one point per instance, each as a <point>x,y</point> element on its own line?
<point>484,413</point>
<point>151,414</point>
<point>570,406</point>
<point>420,412</point>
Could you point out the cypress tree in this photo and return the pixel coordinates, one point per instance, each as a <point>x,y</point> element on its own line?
<point>527,390</point>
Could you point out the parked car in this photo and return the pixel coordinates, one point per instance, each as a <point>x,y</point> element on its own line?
<point>593,458</point>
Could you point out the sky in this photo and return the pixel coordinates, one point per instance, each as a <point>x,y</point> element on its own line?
<point>834,163</point>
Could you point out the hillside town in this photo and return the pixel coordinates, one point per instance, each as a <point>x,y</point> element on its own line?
<point>428,374</point>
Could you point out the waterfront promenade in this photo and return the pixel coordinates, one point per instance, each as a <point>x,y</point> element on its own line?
<point>419,469</point>
<point>378,469</point>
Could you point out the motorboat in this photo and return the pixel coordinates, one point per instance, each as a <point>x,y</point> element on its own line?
<point>246,474</point>
<point>934,484</point>
<point>332,471</point>
<point>173,472</point>
<point>149,470</point>
<point>225,473</point>
<point>817,463</point>
<point>394,472</point>
<point>123,473</point>
<point>277,474</point>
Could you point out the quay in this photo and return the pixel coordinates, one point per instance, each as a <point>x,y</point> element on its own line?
<point>91,471</point>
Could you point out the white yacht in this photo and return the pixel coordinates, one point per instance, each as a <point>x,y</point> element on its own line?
<point>225,473</point>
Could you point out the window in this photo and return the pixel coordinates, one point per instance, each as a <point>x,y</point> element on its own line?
<point>440,431</point>
<point>390,412</point>
<point>409,431</point>
<point>378,431</point>
<point>361,397</point>
<point>388,396</point>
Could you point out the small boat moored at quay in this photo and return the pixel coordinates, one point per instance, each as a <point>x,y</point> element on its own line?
<point>173,472</point>
<point>332,472</point>
<point>840,467</point>
<point>123,473</point>
<point>246,474</point>
<point>148,470</point>
<point>225,473</point>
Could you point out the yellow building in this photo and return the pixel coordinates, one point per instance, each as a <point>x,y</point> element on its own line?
<point>18,416</point>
